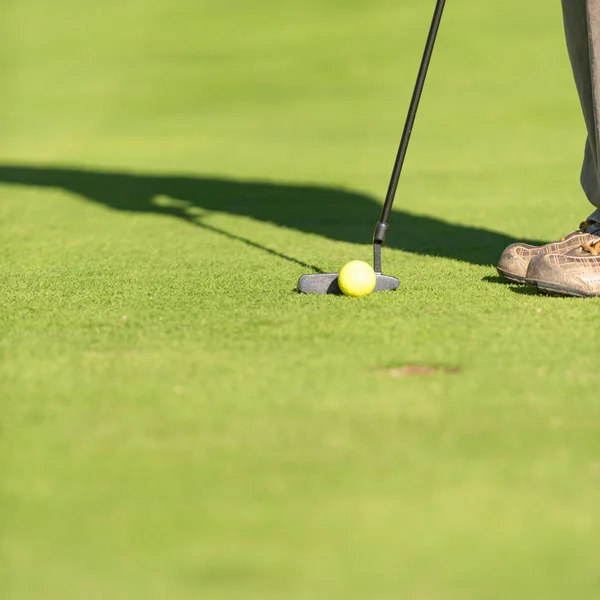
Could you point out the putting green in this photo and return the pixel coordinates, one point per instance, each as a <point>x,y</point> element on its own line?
<point>177,422</point>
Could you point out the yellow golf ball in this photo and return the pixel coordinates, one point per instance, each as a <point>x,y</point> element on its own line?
<point>357,278</point>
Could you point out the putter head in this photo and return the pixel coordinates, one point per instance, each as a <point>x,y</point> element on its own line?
<point>327,283</point>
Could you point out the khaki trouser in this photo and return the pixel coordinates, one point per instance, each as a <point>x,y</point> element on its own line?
<point>582,27</point>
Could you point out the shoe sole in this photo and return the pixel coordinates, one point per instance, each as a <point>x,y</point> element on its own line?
<point>559,290</point>
<point>511,276</point>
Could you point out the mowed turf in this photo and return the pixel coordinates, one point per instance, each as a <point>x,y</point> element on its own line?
<point>177,422</point>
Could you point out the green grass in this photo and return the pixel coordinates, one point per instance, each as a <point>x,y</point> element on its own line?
<point>177,422</point>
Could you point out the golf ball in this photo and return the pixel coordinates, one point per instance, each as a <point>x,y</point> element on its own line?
<point>357,278</point>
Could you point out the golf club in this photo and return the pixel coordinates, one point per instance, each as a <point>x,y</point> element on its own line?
<point>327,283</point>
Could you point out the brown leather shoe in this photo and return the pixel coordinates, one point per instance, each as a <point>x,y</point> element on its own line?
<point>574,274</point>
<point>515,259</point>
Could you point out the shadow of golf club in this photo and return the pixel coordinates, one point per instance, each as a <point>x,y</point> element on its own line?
<point>335,214</point>
<point>243,240</point>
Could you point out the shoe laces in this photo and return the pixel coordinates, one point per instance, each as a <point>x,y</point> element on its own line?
<point>592,248</point>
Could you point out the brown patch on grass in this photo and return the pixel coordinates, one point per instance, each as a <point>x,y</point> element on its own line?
<point>419,371</point>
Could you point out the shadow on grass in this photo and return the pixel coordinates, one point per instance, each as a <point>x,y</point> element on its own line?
<point>528,290</point>
<point>335,214</point>
<point>516,288</point>
<point>497,279</point>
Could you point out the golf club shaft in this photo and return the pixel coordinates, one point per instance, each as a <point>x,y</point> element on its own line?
<point>381,229</point>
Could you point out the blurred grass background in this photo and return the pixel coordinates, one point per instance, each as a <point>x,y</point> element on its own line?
<point>176,421</point>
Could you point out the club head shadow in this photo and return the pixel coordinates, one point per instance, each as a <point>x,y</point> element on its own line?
<point>327,283</point>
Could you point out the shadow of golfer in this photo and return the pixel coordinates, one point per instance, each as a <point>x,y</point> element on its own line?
<point>336,214</point>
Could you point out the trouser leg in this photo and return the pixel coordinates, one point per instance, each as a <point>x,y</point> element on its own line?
<point>582,28</point>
